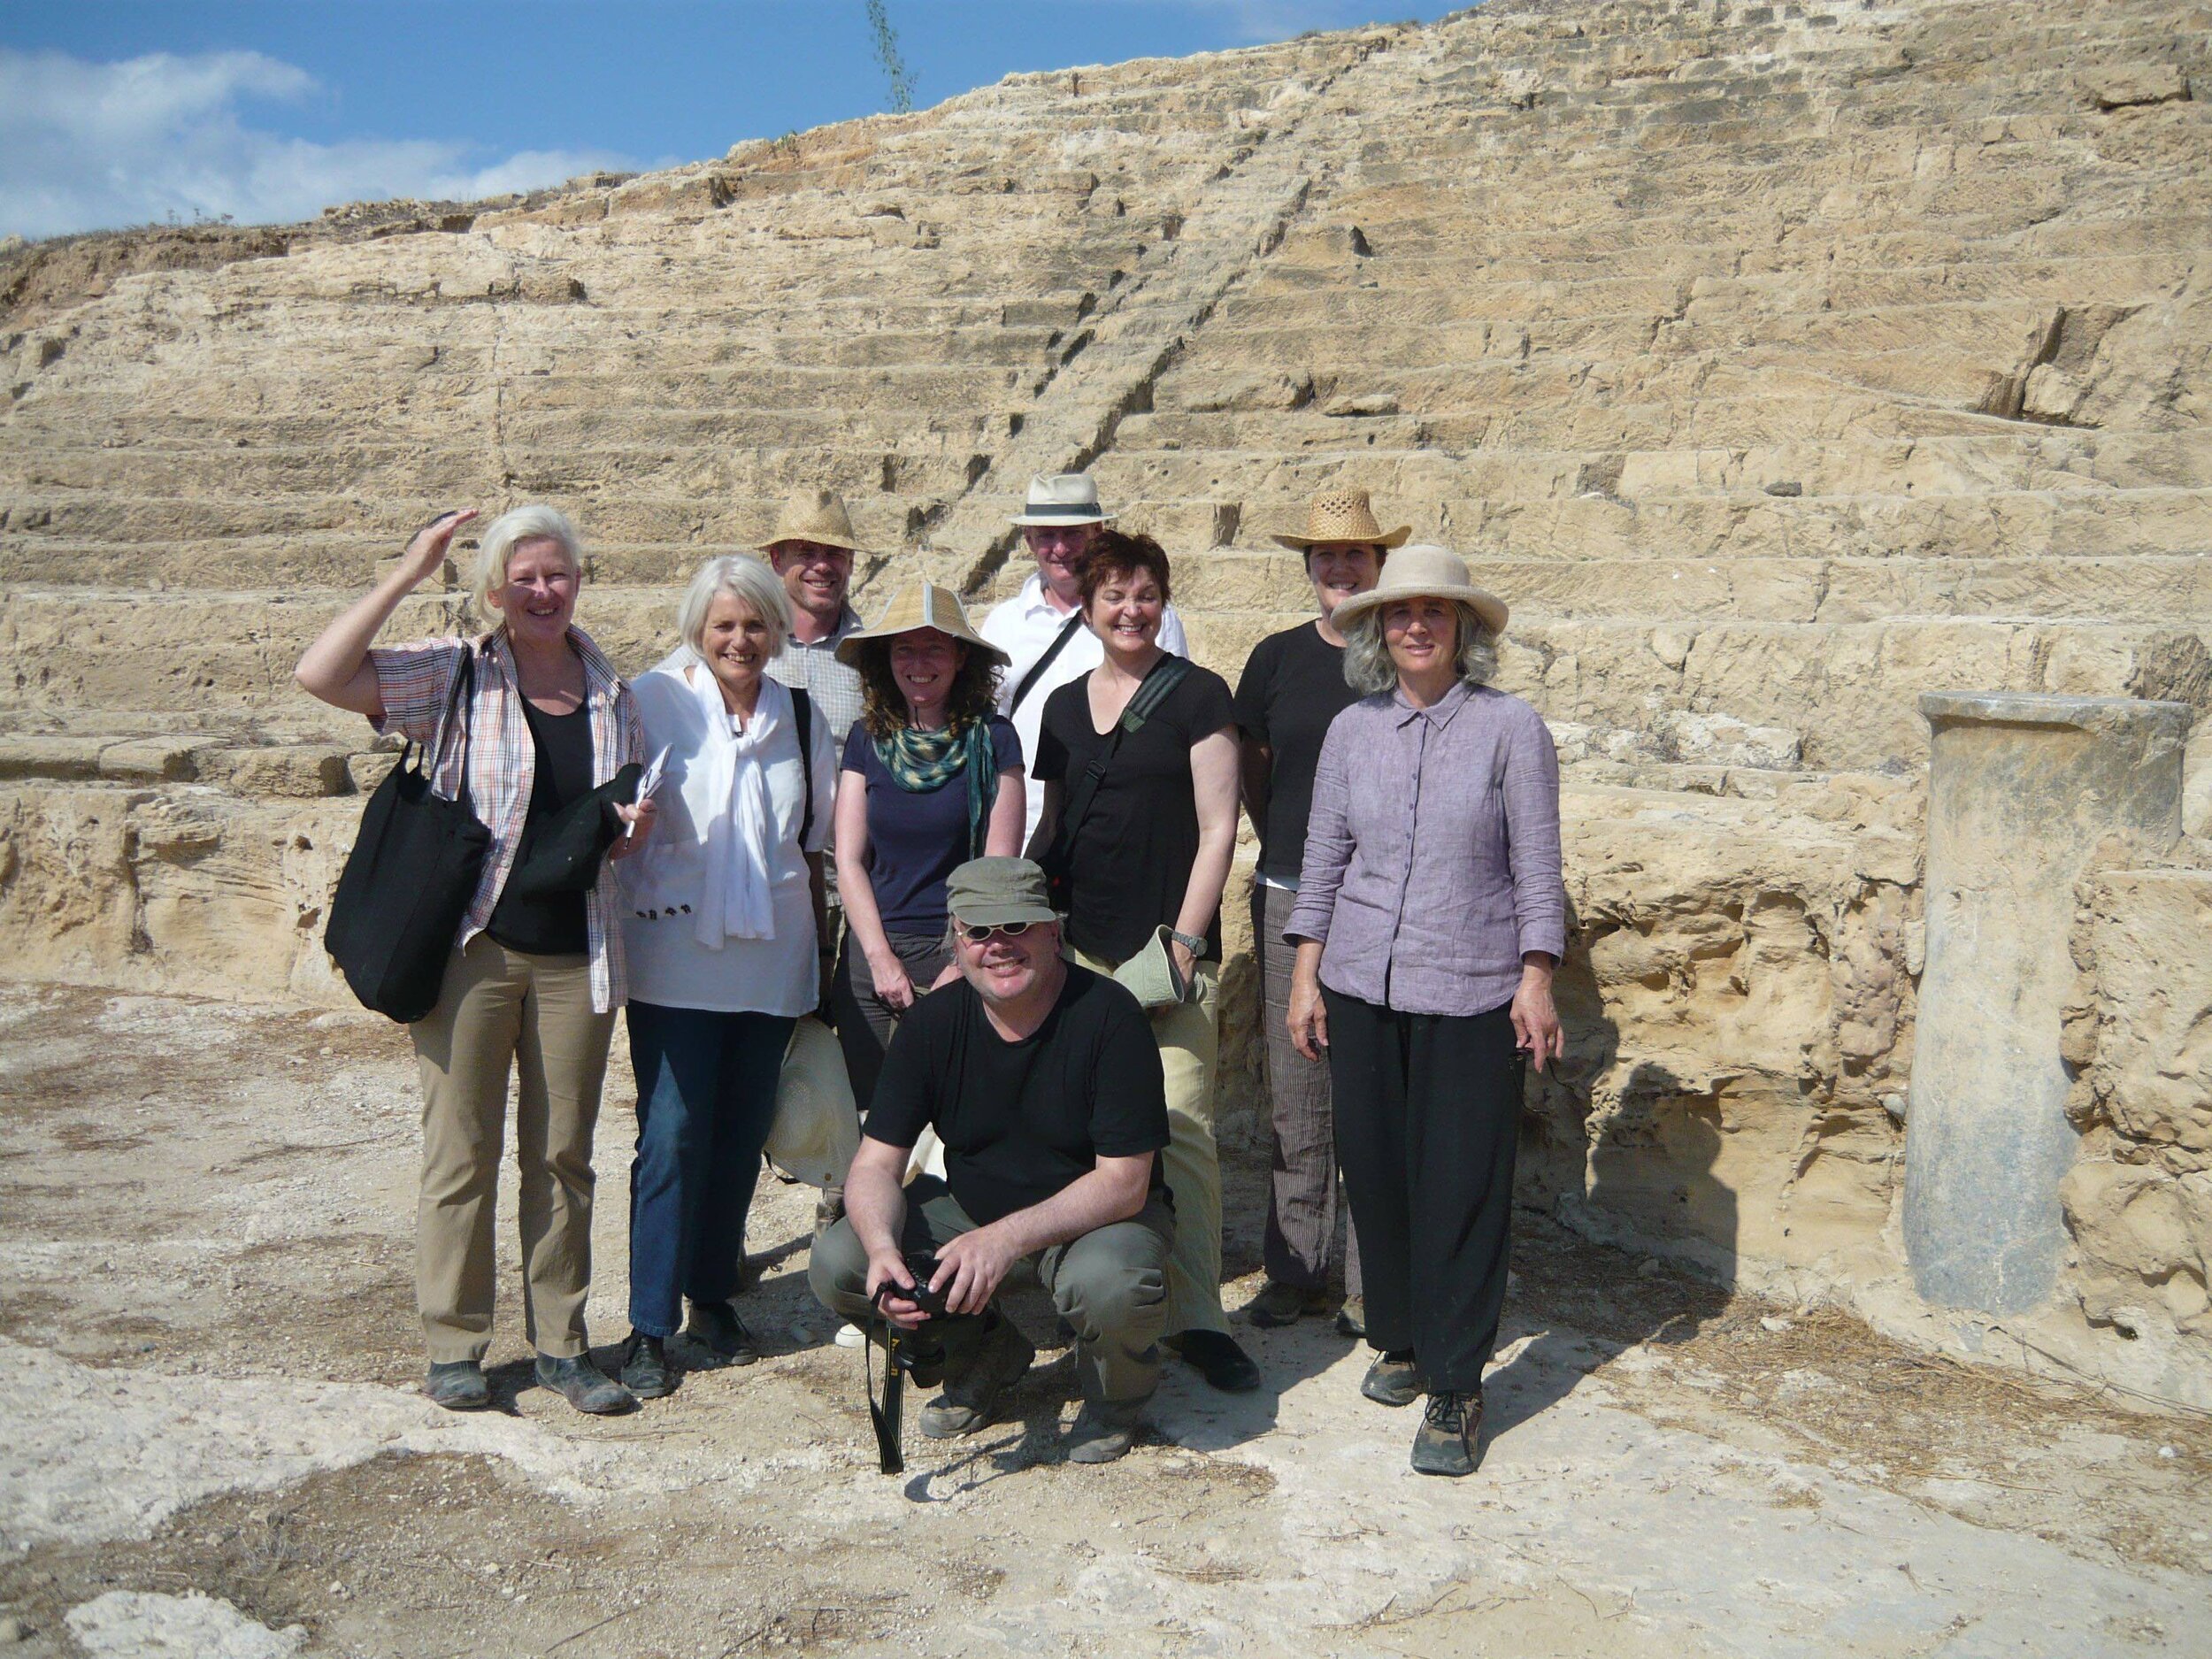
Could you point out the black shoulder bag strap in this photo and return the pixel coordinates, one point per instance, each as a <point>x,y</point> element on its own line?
<point>461,698</point>
<point>1028,682</point>
<point>1158,686</point>
<point>802,719</point>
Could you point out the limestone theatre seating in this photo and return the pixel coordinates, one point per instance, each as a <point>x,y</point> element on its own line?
<point>1778,363</point>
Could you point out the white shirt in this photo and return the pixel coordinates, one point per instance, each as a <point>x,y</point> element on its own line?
<point>668,964</point>
<point>1023,628</point>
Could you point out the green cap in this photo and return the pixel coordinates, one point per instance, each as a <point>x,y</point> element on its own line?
<point>991,892</point>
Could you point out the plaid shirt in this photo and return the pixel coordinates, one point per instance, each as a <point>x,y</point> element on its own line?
<point>834,688</point>
<point>415,681</point>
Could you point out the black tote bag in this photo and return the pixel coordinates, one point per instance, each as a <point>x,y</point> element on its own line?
<point>407,881</point>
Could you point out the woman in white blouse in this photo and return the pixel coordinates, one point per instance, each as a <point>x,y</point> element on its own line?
<point>722,912</point>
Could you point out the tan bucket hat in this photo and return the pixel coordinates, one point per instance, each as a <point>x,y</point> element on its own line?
<point>1343,515</point>
<point>814,515</point>
<point>923,605</point>
<point>1062,498</point>
<point>1424,572</point>
<point>817,1129</point>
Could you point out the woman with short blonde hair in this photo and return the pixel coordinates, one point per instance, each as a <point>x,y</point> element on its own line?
<point>535,976</point>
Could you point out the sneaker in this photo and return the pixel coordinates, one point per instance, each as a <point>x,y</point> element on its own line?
<point>644,1369</point>
<point>1280,1304</point>
<point>1351,1319</point>
<point>1390,1381</point>
<point>584,1386</point>
<point>458,1384</point>
<point>1002,1359</point>
<point>714,1329</point>
<point>1449,1440</point>
<point>1216,1357</point>
<point>1104,1430</point>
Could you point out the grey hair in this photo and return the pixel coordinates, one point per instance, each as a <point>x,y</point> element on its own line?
<point>536,522</point>
<point>1369,669</point>
<point>745,579</point>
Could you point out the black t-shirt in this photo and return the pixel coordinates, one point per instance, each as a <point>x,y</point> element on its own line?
<point>1021,1120</point>
<point>551,925</point>
<point>1133,854</point>
<point>1292,687</point>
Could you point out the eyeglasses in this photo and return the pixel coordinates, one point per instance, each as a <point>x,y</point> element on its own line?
<point>981,935</point>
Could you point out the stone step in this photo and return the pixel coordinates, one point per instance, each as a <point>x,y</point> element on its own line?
<point>104,539</point>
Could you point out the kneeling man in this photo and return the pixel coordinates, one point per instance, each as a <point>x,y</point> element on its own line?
<point>1043,1080</point>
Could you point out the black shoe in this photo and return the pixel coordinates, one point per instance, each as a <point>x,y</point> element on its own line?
<point>584,1386</point>
<point>1216,1357</point>
<point>1351,1319</point>
<point>1391,1380</point>
<point>1449,1440</point>
<point>970,1399</point>
<point>715,1330</point>
<point>645,1371</point>
<point>458,1384</point>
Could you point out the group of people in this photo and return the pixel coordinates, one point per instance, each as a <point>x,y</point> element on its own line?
<point>994,859</point>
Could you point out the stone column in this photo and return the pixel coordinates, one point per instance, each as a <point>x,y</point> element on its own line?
<point>2022,789</point>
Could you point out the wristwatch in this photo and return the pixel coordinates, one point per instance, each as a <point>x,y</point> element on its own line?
<point>1191,942</point>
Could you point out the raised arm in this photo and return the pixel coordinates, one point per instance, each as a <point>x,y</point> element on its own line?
<point>336,669</point>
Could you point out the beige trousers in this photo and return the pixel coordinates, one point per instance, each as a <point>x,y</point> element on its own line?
<point>1189,1037</point>
<point>500,1010</point>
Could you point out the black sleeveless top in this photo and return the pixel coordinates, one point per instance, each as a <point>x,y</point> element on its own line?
<point>552,924</point>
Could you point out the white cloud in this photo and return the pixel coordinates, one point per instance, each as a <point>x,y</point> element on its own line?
<point>88,145</point>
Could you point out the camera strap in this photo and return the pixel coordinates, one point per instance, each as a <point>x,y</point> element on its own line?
<point>888,1417</point>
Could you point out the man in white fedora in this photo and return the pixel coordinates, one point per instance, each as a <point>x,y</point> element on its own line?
<point>1040,629</point>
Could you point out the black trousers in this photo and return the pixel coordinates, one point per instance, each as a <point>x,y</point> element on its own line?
<point>1428,1114</point>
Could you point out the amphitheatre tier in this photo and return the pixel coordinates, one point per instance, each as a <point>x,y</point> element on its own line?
<point>1777,363</point>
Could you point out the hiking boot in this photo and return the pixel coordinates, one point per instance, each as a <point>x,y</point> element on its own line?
<point>1449,1440</point>
<point>1104,1430</point>
<point>1001,1358</point>
<point>1280,1304</point>
<point>1351,1319</point>
<point>584,1386</point>
<point>1216,1357</point>
<point>1390,1381</point>
<point>715,1330</point>
<point>458,1384</point>
<point>644,1369</point>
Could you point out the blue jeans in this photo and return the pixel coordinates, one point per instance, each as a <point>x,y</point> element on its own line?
<point>706,1096</point>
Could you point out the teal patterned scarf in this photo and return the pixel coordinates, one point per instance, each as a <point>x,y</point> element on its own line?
<point>919,762</point>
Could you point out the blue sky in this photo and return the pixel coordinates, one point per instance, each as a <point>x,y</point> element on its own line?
<point>122,112</point>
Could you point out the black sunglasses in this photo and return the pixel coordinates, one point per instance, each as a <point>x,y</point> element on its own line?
<point>980,934</point>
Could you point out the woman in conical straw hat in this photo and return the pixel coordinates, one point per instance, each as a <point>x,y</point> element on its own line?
<point>1429,917</point>
<point>1293,686</point>
<point>932,777</point>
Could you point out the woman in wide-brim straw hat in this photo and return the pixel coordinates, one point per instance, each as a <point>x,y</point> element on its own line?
<point>1429,919</point>
<point>932,777</point>
<point>1292,687</point>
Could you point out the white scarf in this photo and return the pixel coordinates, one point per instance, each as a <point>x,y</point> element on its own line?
<point>725,797</point>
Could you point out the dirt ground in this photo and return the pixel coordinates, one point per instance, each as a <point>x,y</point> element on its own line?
<point>206,1309</point>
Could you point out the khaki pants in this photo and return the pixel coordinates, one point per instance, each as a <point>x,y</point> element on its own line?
<point>1106,1284</point>
<point>1189,1037</point>
<point>498,1010</point>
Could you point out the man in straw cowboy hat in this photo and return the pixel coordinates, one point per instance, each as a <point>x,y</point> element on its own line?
<point>1292,687</point>
<point>1040,629</point>
<point>811,551</point>
<point>1044,1083</point>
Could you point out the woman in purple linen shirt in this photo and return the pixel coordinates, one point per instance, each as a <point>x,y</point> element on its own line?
<point>1429,917</point>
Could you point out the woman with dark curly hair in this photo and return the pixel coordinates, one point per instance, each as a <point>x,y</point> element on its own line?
<point>932,779</point>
